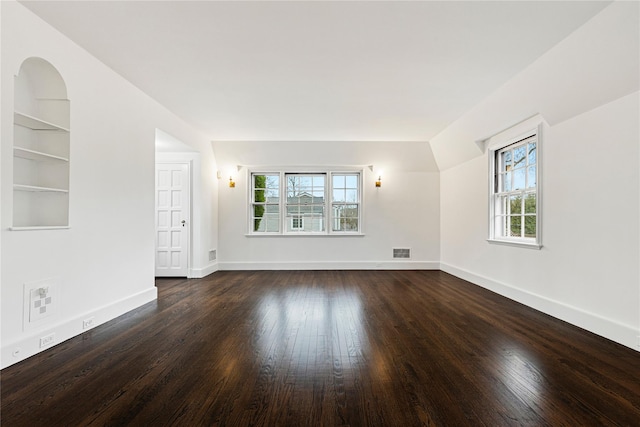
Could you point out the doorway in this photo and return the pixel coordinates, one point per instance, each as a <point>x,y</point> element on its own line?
<point>173,219</point>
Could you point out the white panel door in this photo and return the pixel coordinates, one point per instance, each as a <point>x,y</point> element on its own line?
<point>172,219</point>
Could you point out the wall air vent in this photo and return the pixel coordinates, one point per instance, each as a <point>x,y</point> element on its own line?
<point>212,255</point>
<point>401,253</point>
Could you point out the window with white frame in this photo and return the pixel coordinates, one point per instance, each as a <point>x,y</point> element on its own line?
<point>306,195</point>
<point>305,203</point>
<point>515,194</point>
<point>345,202</point>
<point>265,203</point>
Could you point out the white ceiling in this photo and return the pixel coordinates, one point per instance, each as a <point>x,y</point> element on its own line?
<point>279,71</point>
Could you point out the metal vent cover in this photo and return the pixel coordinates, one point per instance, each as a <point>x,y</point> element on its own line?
<point>212,255</point>
<point>401,253</point>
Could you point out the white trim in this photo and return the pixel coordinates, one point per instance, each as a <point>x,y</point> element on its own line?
<point>306,234</point>
<point>608,328</point>
<point>510,135</point>
<point>30,345</point>
<point>199,273</point>
<point>522,244</point>
<point>331,265</point>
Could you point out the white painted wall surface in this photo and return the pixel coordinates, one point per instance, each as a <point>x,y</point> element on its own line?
<point>587,271</point>
<point>596,64</point>
<point>404,212</point>
<point>105,261</point>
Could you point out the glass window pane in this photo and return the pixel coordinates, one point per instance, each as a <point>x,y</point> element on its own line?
<point>272,222</point>
<point>529,226</point>
<point>530,204</point>
<point>531,177</point>
<point>345,218</point>
<point>519,154</point>
<point>506,181</point>
<point>339,196</point>
<point>518,179</point>
<point>318,181</point>
<point>293,210</point>
<point>272,195</point>
<point>515,204</point>
<point>351,195</point>
<point>352,181</point>
<point>258,195</point>
<point>531,150</point>
<point>313,222</point>
<point>506,161</point>
<point>266,222</point>
<point>338,181</point>
<point>516,226</point>
<point>305,181</point>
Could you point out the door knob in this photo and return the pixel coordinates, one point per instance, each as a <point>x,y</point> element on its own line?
<point>183,222</point>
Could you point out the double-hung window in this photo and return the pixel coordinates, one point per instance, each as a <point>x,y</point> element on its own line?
<point>265,203</point>
<point>515,192</point>
<point>345,202</point>
<point>304,203</point>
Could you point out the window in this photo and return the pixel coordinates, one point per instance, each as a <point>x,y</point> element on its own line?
<point>345,206</point>
<point>305,203</point>
<point>306,199</point>
<point>265,203</point>
<point>515,192</point>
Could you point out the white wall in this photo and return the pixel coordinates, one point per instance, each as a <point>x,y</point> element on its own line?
<point>404,212</point>
<point>105,261</point>
<point>587,273</point>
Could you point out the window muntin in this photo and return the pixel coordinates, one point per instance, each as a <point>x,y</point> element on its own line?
<point>265,203</point>
<point>305,203</point>
<point>515,192</point>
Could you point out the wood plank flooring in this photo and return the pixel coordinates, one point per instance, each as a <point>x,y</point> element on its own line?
<point>327,348</point>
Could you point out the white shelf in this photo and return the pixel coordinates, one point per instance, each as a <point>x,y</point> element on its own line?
<point>30,122</point>
<point>34,188</point>
<point>39,156</point>
<point>40,227</point>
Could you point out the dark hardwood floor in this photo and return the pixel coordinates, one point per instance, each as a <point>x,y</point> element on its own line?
<point>327,348</point>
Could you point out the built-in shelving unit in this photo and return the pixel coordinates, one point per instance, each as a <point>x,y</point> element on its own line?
<point>41,148</point>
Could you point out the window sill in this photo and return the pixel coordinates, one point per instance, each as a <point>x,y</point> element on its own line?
<point>305,235</point>
<point>517,243</point>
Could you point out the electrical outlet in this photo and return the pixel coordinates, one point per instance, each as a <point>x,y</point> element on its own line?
<point>47,340</point>
<point>87,323</point>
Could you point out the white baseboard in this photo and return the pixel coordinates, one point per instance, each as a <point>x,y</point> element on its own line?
<point>199,273</point>
<point>331,265</point>
<point>610,329</point>
<point>29,345</point>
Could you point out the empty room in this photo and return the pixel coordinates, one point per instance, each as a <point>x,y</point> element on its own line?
<point>320,213</point>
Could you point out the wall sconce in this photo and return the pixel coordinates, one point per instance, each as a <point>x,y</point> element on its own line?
<point>232,183</point>
<point>379,181</point>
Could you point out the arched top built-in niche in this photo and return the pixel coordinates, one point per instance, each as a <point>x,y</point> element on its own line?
<point>41,147</point>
